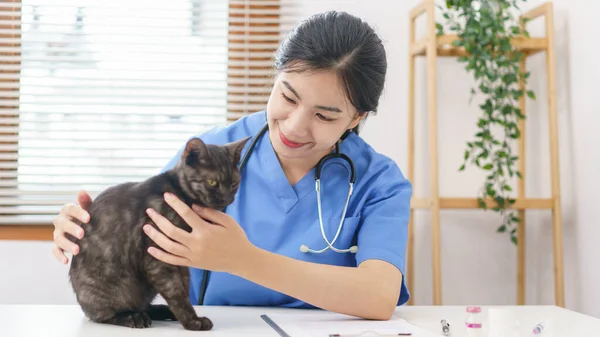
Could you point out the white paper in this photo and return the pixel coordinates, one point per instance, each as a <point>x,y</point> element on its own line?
<point>322,324</point>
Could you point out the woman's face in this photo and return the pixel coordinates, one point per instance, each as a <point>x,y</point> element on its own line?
<point>307,114</point>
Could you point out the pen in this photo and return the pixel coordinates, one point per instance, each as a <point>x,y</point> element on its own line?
<point>445,327</point>
<point>274,325</point>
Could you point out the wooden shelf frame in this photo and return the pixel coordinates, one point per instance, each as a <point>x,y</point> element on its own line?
<point>444,47</point>
<point>432,46</point>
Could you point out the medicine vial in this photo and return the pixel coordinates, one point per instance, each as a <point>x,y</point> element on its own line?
<point>473,323</point>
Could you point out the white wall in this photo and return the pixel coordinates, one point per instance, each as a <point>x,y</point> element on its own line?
<point>478,265</point>
<point>29,273</point>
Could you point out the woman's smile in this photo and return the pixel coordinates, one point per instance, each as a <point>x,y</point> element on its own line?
<point>287,142</point>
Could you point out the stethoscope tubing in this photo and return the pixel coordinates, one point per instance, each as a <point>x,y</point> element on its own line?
<point>319,166</point>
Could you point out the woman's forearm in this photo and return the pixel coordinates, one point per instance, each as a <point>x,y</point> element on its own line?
<point>369,292</point>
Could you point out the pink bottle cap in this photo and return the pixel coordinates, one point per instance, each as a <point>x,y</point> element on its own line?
<point>473,309</point>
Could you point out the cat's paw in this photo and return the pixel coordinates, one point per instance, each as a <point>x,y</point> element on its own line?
<point>138,320</point>
<point>199,323</point>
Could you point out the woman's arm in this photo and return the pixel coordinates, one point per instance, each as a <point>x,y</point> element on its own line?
<point>369,291</point>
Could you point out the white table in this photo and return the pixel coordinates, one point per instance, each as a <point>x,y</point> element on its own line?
<point>68,321</point>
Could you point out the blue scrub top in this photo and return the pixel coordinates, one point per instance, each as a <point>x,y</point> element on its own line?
<point>279,217</point>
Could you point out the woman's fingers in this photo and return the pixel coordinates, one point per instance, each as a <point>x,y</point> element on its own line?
<point>60,256</point>
<point>211,215</point>
<point>165,243</point>
<point>76,212</point>
<point>168,258</point>
<point>84,199</point>
<point>65,244</point>
<point>64,225</point>
<point>186,213</point>
<point>168,228</point>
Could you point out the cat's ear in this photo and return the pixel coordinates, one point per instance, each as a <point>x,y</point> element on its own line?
<point>235,148</point>
<point>195,151</point>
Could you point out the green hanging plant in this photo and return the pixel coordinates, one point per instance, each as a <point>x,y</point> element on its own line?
<point>485,29</point>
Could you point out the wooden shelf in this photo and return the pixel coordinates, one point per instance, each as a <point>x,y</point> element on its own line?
<point>529,46</point>
<point>471,203</point>
<point>431,47</point>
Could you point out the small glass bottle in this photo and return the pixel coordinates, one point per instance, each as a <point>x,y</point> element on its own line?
<point>473,323</point>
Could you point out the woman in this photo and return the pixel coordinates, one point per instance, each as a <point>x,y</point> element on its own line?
<point>330,74</point>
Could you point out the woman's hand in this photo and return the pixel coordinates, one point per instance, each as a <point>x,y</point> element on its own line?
<point>218,245</point>
<point>63,224</point>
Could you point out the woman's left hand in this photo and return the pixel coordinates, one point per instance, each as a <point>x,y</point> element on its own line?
<point>218,246</point>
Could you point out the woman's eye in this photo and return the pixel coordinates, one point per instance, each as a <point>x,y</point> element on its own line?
<point>323,118</point>
<point>288,99</point>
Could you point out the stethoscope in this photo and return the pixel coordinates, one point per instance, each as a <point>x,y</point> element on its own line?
<point>305,248</point>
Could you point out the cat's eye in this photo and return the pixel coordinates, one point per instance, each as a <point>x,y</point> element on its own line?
<point>212,183</point>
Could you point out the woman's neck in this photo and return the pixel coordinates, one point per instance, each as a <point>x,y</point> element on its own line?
<point>296,168</point>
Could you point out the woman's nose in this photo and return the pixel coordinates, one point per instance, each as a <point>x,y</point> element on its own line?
<point>297,124</point>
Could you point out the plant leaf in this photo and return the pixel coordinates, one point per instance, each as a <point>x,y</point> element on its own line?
<point>439,28</point>
<point>485,33</point>
<point>481,203</point>
<point>457,43</point>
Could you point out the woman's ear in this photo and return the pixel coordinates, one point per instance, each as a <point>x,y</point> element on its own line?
<point>359,117</point>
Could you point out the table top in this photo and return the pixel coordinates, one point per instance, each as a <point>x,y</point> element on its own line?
<point>69,321</point>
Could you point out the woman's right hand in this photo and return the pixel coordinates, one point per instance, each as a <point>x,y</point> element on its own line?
<point>63,224</point>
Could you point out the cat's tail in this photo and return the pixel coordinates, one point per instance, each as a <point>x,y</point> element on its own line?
<point>160,312</point>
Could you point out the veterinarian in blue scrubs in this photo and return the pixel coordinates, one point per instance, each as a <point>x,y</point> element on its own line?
<point>330,75</point>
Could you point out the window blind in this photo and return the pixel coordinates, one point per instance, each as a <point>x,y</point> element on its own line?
<point>256,27</point>
<point>96,93</point>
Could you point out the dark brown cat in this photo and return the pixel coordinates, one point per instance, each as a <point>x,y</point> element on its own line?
<point>114,278</point>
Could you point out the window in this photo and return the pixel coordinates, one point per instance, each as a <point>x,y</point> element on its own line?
<point>97,93</point>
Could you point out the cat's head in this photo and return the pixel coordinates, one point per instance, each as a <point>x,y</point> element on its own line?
<point>209,174</point>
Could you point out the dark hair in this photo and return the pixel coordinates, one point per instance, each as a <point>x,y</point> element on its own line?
<point>345,44</point>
